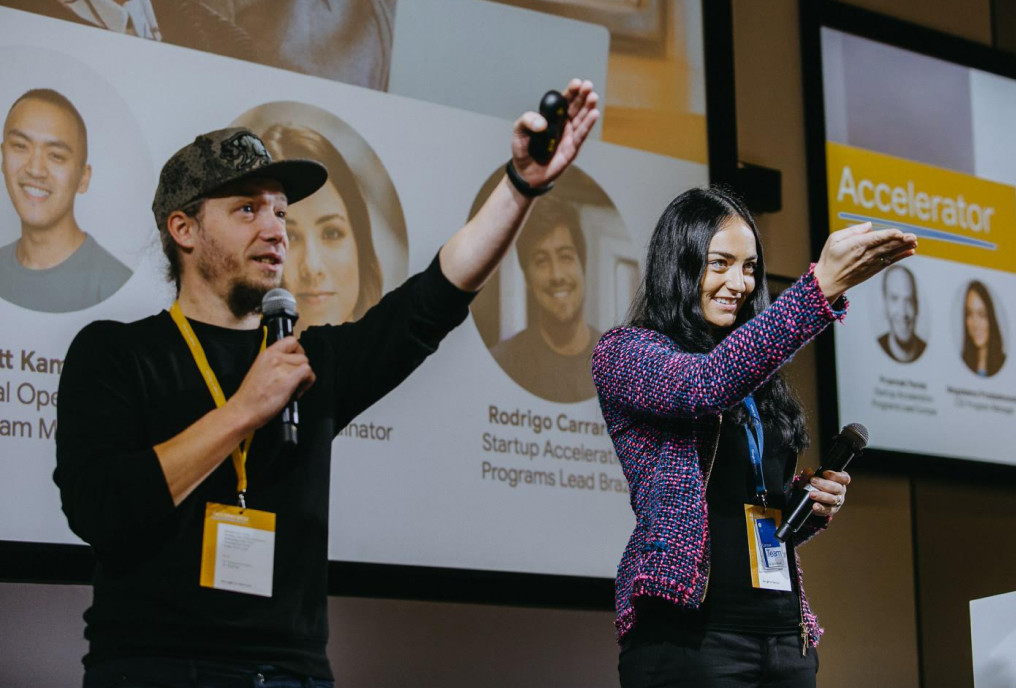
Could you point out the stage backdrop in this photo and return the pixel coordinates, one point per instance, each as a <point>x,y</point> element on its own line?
<point>926,362</point>
<point>478,466</point>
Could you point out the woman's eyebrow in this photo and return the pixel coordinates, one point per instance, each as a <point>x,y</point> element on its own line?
<point>329,218</point>
<point>730,256</point>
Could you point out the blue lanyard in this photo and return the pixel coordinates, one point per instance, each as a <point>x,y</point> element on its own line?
<point>756,445</point>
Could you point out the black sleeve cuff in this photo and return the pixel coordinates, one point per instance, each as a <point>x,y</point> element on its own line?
<point>441,299</point>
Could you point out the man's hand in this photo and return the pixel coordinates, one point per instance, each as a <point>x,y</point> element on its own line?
<point>582,115</point>
<point>474,252</point>
<point>279,373</point>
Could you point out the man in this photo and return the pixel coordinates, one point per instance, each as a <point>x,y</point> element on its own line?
<point>55,266</point>
<point>189,588</point>
<point>550,358</point>
<point>899,296</point>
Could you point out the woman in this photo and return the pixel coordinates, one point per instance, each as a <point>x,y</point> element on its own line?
<point>693,401</point>
<point>332,268</point>
<point>982,338</point>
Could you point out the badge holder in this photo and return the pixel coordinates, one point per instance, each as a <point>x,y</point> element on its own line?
<point>238,548</point>
<point>767,555</point>
<point>238,552</point>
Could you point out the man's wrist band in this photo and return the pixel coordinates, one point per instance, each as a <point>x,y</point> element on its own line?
<point>522,186</point>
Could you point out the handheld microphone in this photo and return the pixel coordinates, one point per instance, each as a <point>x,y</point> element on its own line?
<point>278,310</point>
<point>554,109</point>
<point>849,443</point>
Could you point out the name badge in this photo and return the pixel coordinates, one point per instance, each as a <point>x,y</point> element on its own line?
<point>770,568</point>
<point>238,552</point>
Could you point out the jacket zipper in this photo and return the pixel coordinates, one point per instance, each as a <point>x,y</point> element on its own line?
<point>800,608</point>
<point>709,473</point>
<point>800,589</point>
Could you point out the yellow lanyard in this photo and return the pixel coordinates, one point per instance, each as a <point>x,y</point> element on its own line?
<point>240,452</point>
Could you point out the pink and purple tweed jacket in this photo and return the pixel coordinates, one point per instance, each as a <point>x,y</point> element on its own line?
<point>663,408</point>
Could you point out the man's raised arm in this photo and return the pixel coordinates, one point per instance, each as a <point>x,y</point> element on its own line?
<point>474,252</point>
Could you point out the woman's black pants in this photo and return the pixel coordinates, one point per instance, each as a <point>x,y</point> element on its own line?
<point>676,658</point>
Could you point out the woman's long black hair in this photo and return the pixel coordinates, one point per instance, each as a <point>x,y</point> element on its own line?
<point>996,350</point>
<point>669,299</point>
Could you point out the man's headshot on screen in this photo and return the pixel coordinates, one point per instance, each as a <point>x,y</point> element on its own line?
<point>55,265</point>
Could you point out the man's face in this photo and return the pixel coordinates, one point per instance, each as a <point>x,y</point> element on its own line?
<point>900,306</point>
<point>43,162</point>
<point>240,243</point>
<point>555,276</point>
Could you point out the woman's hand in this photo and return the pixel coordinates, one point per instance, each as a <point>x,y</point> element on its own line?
<point>855,254</point>
<point>830,491</point>
<point>582,115</point>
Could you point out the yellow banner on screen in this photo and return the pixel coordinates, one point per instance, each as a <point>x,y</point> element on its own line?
<point>955,216</point>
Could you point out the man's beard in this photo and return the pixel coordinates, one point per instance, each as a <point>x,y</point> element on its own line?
<point>244,297</point>
<point>560,329</point>
<point>908,343</point>
<point>551,316</point>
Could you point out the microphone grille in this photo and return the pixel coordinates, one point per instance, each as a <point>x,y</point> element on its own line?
<point>856,434</point>
<point>278,302</point>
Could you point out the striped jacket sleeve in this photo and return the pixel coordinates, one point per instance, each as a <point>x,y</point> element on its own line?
<point>643,372</point>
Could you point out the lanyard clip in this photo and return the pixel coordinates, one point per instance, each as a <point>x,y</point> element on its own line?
<point>241,500</point>
<point>762,497</point>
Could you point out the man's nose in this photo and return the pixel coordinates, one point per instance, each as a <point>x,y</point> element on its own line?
<point>558,272</point>
<point>272,229</point>
<point>36,166</point>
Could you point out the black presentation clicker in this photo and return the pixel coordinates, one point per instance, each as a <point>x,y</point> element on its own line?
<point>554,109</point>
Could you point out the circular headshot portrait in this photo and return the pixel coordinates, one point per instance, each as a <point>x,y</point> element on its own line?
<point>78,179</point>
<point>572,274</point>
<point>347,242</point>
<point>983,322</point>
<point>901,325</point>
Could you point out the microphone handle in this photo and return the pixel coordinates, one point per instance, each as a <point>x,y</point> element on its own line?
<point>798,515</point>
<point>281,327</point>
<point>837,460</point>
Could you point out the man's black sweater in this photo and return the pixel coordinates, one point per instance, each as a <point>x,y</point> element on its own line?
<point>128,387</point>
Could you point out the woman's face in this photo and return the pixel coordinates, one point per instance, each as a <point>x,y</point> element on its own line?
<point>976,313</point>
<point>322,269</point>
<point>729,278</point>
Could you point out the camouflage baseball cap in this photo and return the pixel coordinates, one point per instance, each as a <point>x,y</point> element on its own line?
<point>224,156</point>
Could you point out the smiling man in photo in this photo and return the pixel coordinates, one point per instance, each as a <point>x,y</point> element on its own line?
<point>899,296</point>
<point>54,266</point>
<point>551,357</point>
